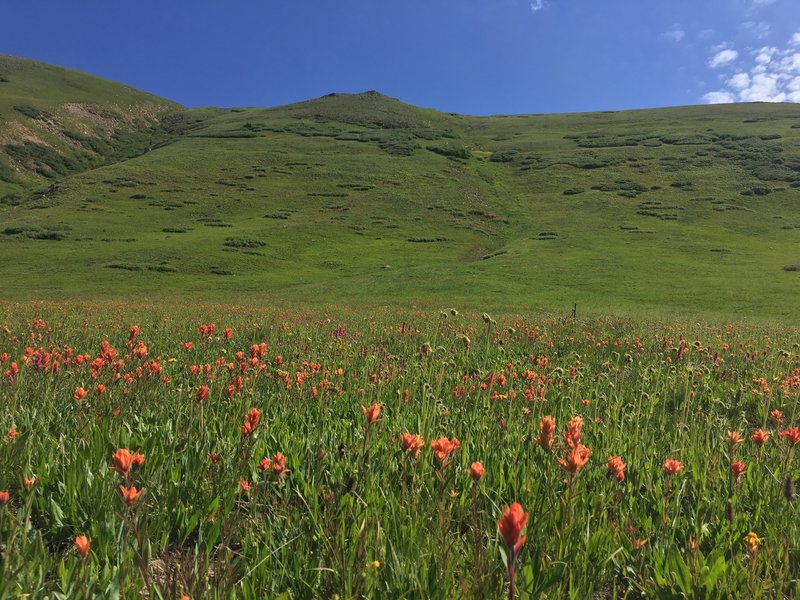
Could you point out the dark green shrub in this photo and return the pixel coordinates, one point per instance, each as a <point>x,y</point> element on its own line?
<point>124,266</point>
<point>398,148</point>
<point>333,264</point>
<point>592,164</point>
<point>242,242</point>
<point>7,173</point>
<point>611,141</point>
<point>212,222</point>
<point>427,240</point>
<point>31,111</point>
<point>451,151</point>
<point>687,140</point>
<point>682,185</point>
<point>35,232</point>
<point>504,156</point>
<point>774,173</point>
<point>165,204</point>
<point>757,191</point>
<point>12,199</point>
<point>223,134</point>
<point>122,182</point>
<point>359,187</point>
<point>44,159</point>
<point>90,143</point>
<point>162,268</point>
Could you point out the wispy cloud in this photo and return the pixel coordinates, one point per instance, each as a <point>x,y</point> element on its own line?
<point>759,29</point>
<point>674,33</point>
<point>722,58</point>
<point>754,7</point>
<point>537,5</point>
<point>773,75</point>
<point>721,97</point>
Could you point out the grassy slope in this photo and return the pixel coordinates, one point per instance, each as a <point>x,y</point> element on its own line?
<point>336,188</point>
<point>75,120</point>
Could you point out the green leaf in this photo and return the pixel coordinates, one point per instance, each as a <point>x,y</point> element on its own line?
<point>549,578</point>
<point>714,573</point>
<point>56,513</point>
<point>112,591</point>
<point>680,570</point>
<point>192,524</point>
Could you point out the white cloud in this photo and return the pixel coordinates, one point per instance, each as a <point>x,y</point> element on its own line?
<point>721,97</point>
<point>740,81</point>
<point>790,63</point>
<point>793,90</point>
<point>755,7</point>
<point>765,54</point>
<point>675,33</point>
<point>537,5</point>
<point>722,58</point>
<point>764,87</point>
<point>768,74</point>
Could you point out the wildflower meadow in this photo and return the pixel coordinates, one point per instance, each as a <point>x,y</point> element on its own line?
<point>228,452</point>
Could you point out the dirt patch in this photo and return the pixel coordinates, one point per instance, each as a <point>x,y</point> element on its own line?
<point>14,132</point>
<point>143,112</point>
<point>88,117</point>
<point>176,570</point>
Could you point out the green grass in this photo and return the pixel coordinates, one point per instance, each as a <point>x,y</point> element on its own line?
<point>646,391</point>
<point>619,212</point>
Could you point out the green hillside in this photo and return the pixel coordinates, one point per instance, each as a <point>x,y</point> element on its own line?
<point>55,121</point>
<point>364,199</point>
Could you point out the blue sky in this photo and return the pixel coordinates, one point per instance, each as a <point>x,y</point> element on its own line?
<point>466,56</point>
